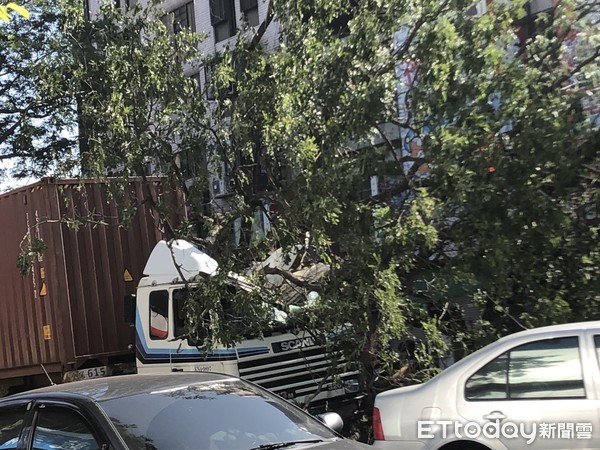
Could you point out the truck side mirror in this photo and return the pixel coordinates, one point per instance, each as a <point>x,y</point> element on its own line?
<point>129,308</point>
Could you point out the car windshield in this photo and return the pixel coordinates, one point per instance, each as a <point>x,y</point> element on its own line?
<point>217,415</point>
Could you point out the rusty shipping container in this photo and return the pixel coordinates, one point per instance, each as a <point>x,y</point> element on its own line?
<point>67,312</point>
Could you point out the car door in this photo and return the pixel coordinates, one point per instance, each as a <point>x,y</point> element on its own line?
<point>13,420</point>
<point>535,395</point>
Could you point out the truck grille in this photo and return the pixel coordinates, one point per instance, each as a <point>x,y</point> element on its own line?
<point>298,373</point>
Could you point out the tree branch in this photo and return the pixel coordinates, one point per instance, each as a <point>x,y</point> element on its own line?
<point>577,69</point>
<point>262,28</point>
<point>292,279</point>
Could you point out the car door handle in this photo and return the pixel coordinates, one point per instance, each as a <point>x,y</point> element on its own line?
<point>495,415</point>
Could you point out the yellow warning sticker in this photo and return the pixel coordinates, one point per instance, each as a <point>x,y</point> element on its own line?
<point>127,276</point>
<point>43,290</point>
<point>42,273</point>
<point>47,332</point>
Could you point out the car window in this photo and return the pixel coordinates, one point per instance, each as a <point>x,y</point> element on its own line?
<point>597,341</point>
<point>59,427</point>
<point>543,369</point>
<point>490,382</point>
<point>218,415</point>
<point>11,421</point>
<point>546,369</point>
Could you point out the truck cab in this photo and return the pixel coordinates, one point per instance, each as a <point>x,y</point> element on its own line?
<point>286,361</point>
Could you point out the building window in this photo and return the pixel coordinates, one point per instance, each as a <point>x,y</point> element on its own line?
<point>477,9</point>
<point>249,10</point>
<point>338,20</point>
<point>212,93</point>
<point>86,9</point>
<point>208,70</point>
<point>222,18</point>
<point>123,4</point>
<point>181,18</point>
<point>187,165</point>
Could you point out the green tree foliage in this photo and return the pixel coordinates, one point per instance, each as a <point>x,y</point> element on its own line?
<point>139,111</point>
<point>35,115</point>
<point>521,171</point>
<point>495,200</point>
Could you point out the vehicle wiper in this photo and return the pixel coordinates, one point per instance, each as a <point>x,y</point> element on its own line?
<point>282,444</point>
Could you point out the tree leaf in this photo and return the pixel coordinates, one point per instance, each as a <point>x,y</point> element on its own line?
<point>4,14</point>
<point>19,9</point>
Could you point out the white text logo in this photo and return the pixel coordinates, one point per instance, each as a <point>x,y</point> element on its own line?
<point>429,429</point>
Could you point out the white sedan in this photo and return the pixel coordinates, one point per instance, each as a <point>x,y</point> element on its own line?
<point>536,389</point>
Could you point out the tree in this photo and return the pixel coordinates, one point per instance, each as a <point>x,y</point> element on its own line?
<point>479,181</point>
<point>36,117</point>
<point>521,175</point>
<point>501,215</point>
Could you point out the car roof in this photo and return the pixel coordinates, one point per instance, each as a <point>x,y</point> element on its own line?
<point>542,332</point>
<point>101,389</point>
<point>547,332</point>
<point>591,325</point>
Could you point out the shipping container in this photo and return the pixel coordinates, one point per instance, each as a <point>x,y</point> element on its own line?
<point>66,313</point>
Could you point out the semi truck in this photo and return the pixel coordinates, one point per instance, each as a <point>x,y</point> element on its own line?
<point>103,299</point>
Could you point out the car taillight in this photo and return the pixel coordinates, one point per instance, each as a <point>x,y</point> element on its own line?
<point>377,427</point>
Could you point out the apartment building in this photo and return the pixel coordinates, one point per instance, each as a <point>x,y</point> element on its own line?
<point>219,20</point>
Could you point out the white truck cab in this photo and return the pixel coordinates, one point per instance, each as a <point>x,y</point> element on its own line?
<point>287,362</point>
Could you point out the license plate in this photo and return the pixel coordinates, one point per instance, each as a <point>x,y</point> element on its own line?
<point>94,372</point>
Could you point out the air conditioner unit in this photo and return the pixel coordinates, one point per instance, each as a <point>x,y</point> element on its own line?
<point>218,186</point>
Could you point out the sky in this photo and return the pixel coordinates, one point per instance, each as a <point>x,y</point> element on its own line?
<point>8,183</point>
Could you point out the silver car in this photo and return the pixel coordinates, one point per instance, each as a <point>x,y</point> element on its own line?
<point>536,389</point>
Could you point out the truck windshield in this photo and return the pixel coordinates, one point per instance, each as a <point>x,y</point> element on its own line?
<point>229,313</point>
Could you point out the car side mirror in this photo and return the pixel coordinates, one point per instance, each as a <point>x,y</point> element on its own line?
<point>333,420</point>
